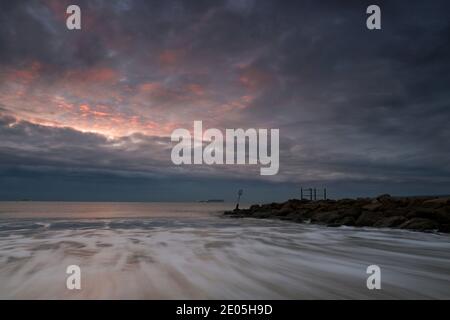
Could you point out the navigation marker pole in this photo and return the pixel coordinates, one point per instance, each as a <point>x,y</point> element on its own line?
<point>240,192</point>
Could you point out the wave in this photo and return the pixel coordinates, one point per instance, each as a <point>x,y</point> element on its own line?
<point>216,258</point>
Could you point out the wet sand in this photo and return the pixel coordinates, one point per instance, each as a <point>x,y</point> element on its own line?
<point>212,257</point>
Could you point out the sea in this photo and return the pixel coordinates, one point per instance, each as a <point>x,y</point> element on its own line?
<point>192,251</point>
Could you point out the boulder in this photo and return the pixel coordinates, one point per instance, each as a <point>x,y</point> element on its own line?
<point>334,225</point>
<point>415,213</point>
<point>284,211</point>
<point>373,206</point>
<point>346,201</point>
<point>437,203</point>
<point>351,212</point>
<point>367,219</point>
<point>418,201</point>
<point>440,215</point>
<point>326,217</point>
<point>290,217</point>
<point>384,198</point>
<point>420,224</point>
<point>261,214</point>
<point>347,221</point>
<point>400,212</point>
<point>390,222</point>
<point>444,228</point>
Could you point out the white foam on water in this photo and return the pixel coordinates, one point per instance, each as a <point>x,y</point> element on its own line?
<point>201,258</point>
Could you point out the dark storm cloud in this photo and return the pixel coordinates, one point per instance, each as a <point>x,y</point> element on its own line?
<point>365,108</point>
<point>54,149</point>
<point>365,104</point>
<point>33,31</point>
<point>42,147</point>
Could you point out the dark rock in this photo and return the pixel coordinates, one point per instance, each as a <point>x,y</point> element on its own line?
<point>305,213</point>
<point>419,224</point>
<point>367,219</point>
<point>325,217</point>
<point>441,215</point>
<point>437,214</point>
<point>290,217</point>
<point>351,212</point>
<point>346,201</point>
<point>296,203</point>
<point>418,201</point>
<point>397,212</point>
<point>267,207</point>
<point>347,221</point>
<point>402,202</point>
<point>375,205</point>
<point>415,213</point>
<point>334,225</point>
<point>390,222</point>
<point>387,202</point>
<point>275,205</point>
<point>261,214</point>
<point>437,203</point>
<point>384,198</point>
<point>282,212</point>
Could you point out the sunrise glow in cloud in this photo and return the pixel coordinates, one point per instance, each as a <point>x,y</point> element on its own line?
<point>100,103</point>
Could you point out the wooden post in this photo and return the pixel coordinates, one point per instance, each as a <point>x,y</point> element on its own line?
<point>315,197</point>
<point>301,193</point>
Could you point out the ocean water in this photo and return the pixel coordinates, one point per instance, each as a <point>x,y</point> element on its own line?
<point>190,251</point>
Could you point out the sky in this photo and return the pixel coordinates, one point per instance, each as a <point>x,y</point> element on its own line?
<point>86,115</point>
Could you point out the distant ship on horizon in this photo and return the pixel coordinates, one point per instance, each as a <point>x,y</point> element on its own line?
<point>211,200</point>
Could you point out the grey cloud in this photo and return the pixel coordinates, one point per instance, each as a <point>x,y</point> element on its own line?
<point>352,105</point>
